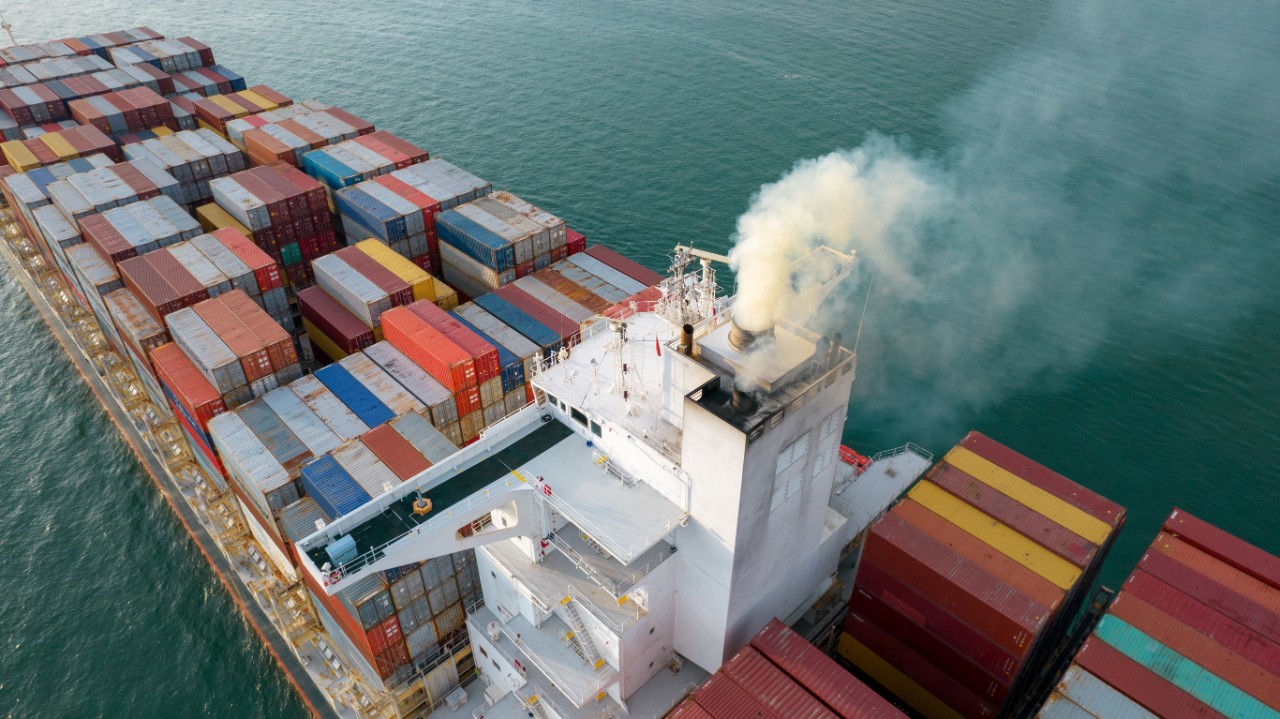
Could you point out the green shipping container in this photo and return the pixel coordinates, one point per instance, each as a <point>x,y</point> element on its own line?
<point>291,255</point>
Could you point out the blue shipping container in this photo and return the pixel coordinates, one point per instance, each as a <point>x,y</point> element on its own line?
<point>237,82</point>
<point>477,242</point>
<point>332,488</point>
<point>381,221</point>
<point>518,320</point>
<point>355,395</point>
<point>331,172</point>
<point>512,366</point>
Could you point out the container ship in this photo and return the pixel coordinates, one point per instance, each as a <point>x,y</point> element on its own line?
<point>452,461</point>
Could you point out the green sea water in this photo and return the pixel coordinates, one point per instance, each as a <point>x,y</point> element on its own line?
<point>1098,292</point>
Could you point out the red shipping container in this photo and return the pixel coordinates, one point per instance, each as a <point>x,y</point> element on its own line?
<point>574,243</point>
<point>272,95</point>
<point>524,269</point>
<point>820,674</point>
<point>393,658</point>
<point>265,269</point>
<point>566,328</point>
<point>362,126</point>
<point>468,400</point>
<point>278,342</point>
<point>904,612</point>
<point>722,697</point>
<point>923,672</point>
<point>1222,662</point>
<point>336,321</point>
<point>772,687</point>
<point>625,265</point>
<point>429,348</point>
<point>206,54</point>
<point>992,607</point>
<point>242,342</point>
<point>559,253</point>
<point>294,197</point>
<point>488,364</point>
<point>385,635</point>
<point>429,205</point>
<point>982,555</point>
<point>1224,547</point>
<point>399,291</point>
<point>1030,523</point>
<point>142,187</point>
<point>189,289</point>
<point>1224,588</point>
<point>150,287</point>
<point>1044,478</point>
<point>44,154</point>
<point>395,452</point>
<point>1139,683</point>
<point>689,709</point>
<point>196,395</point>
<point>1182,608</point>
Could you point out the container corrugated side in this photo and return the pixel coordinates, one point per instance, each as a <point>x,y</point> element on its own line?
<point>1225,547</point>
<point>334,320</point>
<point>590,282</point>
<point>366,469</point>
<point>1139,683</point>
<point>606,273</point>
<point>723,698</point>
<point>521,322</point>
<point>502,334</point>
<point>424,437</point>
<point>216,362</point>
<point>430,349</point>
<point>246,457</point>
<point>357,293</point>
<point>382,385</point>
<point>435,396</point>
<point>276,436</point>
<point>488,364</point>
<point>1092,696</point>
<point>227,263</point>
<point>304,423</point>
<point>554,299</point>
<point>625,265</point>
<point>299,519</point>
<point>336,415</point>
<point>205,272</point>
<point>772,687</point>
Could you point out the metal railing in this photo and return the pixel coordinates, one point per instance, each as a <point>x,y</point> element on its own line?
<point>624,553</point>
<point>594,686</point>
<point>616,586</point>
<point>911,447</point>
<point>614,625</point>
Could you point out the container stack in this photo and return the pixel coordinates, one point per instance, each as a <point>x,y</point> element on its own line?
<point>215,111</point>
<point>1193,632</point>
<point>332,329</point>
<point>624,282</point>
<point>489,395</point>
<point>107,187</point>
<point>28,190</point>
<point>442,354</point>
<point>503,335</point>
<point>137,228</point>
<point>33,104</point>
<point>288,139</point>
<point>171,56</point>
<point>193,158</point>
<point>332,123</point>
<point>510,381</point>
<point>968,584</point>
<point>124,111</point>
<point>780,674</point>
<point>184,111</point>
<point>193,400</point>
<point>207,81</point>
<point>140,334</point>
<point>58,146</point>
<point>365,298</point>
<point>241,351</point>
<point>398,214</point>
<point>161,283</point>
<point>95,278</point>
<point>425,286</point>
<point>101,43</point>
<point>286,212</point>
<point>248,269</point>
<point>363,158</point>
<point>489,242</point>
<point>438,402</point>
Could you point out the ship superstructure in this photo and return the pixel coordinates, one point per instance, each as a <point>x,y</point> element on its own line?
<point>648,512</point>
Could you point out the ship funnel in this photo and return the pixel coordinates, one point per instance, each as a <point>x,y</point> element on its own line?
<point>743,402</point>
<point>742,339</point>
<point>686,340</point>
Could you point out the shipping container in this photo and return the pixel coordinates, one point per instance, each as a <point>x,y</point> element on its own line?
<point>337,324</point>
<point>242,341</point>
<point>1224,547</point>
<point>209,353</point>
<point>302,421</point>
<point>132,319</point>
<point>437,398</point>
<point>250,464</point>
<point>605,272</point>
<point>396,289</point>
<point>720,696</point>
<point>341,420</point>
<point>429,348</point>
<point>769,685</point>
<point>362,297</point>
<point>520,321</point>
<point>278,344</point>
<point>1089,698</point>
<point>424,437</point>
<point>366,469</point>
<point>332,488</point>
<point>422,284</point>
<point>302,519</point>
<point>1140,684</point>
<point>353,394</point>
<point>590,282</point>
<point>395,452</point>
<point>488,363</point>
<point>383,386</point>
<point>625,265</point>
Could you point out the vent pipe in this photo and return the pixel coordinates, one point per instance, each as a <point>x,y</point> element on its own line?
<point>742,339</point>
<point>743,402</point>
<point>686,340</point>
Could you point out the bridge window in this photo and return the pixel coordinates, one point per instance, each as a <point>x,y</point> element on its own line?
<point>578,416</point>
<point>552,400</point>
<point>789,473</point>
<point>595,429</point>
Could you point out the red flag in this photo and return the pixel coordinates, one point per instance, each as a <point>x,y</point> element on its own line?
<point>657,346</point>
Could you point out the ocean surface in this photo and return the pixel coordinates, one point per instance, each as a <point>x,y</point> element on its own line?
<point>1106,304</point>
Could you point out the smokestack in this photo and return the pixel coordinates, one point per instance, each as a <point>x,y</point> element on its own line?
<point>835,349</point>
<point>742,338</point>
<point>686,340</point>
<point>743,402</point>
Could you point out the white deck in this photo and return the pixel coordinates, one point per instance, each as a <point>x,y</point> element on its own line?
<point>550,581</point>
<point>625,520</point>
<point>864,497</point>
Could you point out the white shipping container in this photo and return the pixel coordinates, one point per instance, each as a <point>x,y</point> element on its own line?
<point>227,263</point>
<point>247,460</point>
<point>554,299</point>
<point>210,354</point>
<point>356,292</point>
<point>382,385</point>
<point>303,422</point>
<point>366,469</point>
<point>436,397</point>
<point>331,410</point>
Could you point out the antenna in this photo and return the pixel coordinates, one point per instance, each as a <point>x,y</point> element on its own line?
<point>8,30</point>
<point>863,317</point>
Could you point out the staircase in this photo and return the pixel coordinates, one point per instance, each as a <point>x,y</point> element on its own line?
<point>604,581</point>
<point>580,637</point>
<point>537,708</point>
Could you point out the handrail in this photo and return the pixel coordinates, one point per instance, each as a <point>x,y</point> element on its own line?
<point>629,552</point>
<point>538,601</point>
<point>616,588</point>
<point>540,696</point>
<point>597,682</point>
<point>911,447</point>
<point>618,627</point>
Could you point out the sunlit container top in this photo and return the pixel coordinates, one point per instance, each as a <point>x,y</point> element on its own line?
<point>240,448</point>
<point>366,469</point>
<point>390,392</point>
<point>304,423</point>
<point>331,410</point>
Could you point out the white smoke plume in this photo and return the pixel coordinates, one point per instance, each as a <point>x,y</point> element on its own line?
<point>1118,177</point>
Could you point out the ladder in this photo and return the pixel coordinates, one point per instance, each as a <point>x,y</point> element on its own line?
<point>580,636</point>
<point>587,567</point>
<point>536,708</point>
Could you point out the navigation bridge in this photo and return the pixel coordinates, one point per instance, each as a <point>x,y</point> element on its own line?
<point>525,475</point>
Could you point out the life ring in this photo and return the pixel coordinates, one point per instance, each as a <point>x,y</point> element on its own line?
<point>335,577</point>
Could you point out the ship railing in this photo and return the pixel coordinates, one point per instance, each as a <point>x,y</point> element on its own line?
<point>543,603</point>
<point>624,553</point>
<point>617,626</point>
<point>456,512</point>
<point>595,686</point>
<point>911,447</point>
<point>539,696</point>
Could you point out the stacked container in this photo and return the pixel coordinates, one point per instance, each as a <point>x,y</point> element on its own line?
<point>440,356</point>
<point>589,264</point>
<point>365,157</point>
<point>206,81</point>
<point>101,43</point>
<point>362,402</point>
<point>575,242</point>
<point>168,55</point>
<point>570,289</point>
<point>594,284</point>
<point>288,139</point>
<point>360,295</point>
<point>547,341</point>
<point>193,398</point>
<point>55,146</point>
<point>332,123</point>
<point>140,333</point>
<point>249,269</point>
<point>119,113</point>
<point>780,674</point>
<point>503,335</point>
<point>331,327</point>
<point>104,188</point>
<point>444,182</point>
<point>391,210</point>
<point>625,265</point>
<point>388,391</point>
<point>215,111</point>
<point>488,395</point>
<point>437,399</point>
<point>193,157</point>
<point>1193,632</point>
<point>33,104</point>
<point>161,283</point>
<point>422,283</point>
<point>394,451</point>
<point>510,385</point>
<point>29,190</point>
<point>95,278</point>
<point>51,68</point>
<point>137,228</point>
<point>287,212</point>
<point>236,128</point>
<point>970,582</point>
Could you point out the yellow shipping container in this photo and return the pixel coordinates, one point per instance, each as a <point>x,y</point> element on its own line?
<point>423,284</point>
<point>56,142</point>
<point>230,106</point>
<point>895,681</point>
<point>1073,518</point>
<point>446,298</point>
<point>322,342</point>
<point>257,99</point>
<point>212,217</point>
<point>18,156</point>
<point>161,131</point>
<point>1002,538</point>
